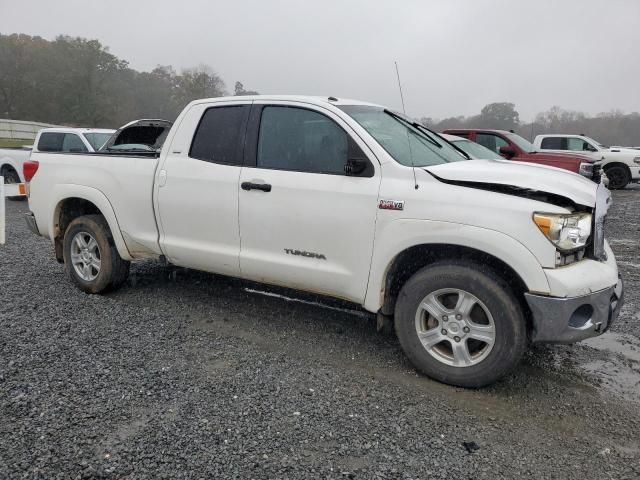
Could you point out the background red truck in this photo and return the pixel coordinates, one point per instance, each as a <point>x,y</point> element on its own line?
<point>513,147</point>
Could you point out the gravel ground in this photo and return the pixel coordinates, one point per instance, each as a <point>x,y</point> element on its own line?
<point>187,375</point>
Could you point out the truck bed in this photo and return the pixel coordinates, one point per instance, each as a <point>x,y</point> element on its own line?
<point>119,182</point>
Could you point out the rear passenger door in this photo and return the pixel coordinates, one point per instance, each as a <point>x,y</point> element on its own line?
<point>196,190</point>
<point>304,223</point>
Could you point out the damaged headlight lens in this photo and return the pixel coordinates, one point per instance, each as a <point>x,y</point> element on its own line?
<point>566,231</point>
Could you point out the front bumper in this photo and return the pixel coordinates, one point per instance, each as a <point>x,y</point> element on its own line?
<point>571,319</point>
<point>31,223</point>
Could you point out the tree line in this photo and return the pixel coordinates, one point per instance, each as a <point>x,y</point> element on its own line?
<point>609,128</point>
<point>75,81</point>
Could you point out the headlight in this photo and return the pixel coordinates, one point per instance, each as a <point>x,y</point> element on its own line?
<point>586,169</point>
<point>566,231</point>
<point>636,160</point>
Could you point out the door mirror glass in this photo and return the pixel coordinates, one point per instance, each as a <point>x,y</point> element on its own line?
<point>355,166</point>
<point>507,151</point>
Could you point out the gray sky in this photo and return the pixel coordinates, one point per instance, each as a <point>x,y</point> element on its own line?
<point>454,56</point>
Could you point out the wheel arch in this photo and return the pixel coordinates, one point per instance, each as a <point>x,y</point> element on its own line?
<point>7,163</point>
<point>77,201</point>
<point>617,163</point>
<point>412,259</point>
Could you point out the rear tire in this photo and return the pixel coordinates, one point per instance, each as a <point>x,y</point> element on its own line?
<point>12,177</point>
<point>91,258</point>
<point>477,332</point>
<point>618,177</point>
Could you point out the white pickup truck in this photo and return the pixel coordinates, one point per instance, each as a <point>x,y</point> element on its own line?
<point>59,139</point>
<point>622,165</point>
<point>473,259</point>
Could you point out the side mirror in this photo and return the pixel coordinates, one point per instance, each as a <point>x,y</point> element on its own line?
<point>355,166</point>
<point>357,162</point>
<point>507,151</point>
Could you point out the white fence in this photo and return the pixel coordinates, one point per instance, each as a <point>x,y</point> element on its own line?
<point>21,129</point>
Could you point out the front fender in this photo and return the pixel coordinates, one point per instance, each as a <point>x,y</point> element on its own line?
<point>402,234</point>
<point>62,192</point>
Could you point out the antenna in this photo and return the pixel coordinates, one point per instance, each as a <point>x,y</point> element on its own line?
<point>400,88</point>
<point>415,181</point>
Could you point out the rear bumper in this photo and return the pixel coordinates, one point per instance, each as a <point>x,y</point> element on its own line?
<point>31,223</point>
<point>571,319</point>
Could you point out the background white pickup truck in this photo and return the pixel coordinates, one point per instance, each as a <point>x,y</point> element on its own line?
<point>622,165</point>
<point>350,200</point>
<point>60,139</point>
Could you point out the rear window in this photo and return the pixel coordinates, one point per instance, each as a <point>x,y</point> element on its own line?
<point>60,142</point>
<point>50,142</point>
<point>217,138</point>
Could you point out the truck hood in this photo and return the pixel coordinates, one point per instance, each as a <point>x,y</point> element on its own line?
<point>139,135</point>
<point>517,178</point>
<point>583,157</point>
<point>627,151</point>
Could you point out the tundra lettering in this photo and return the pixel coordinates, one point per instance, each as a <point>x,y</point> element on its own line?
<point>305,254</point>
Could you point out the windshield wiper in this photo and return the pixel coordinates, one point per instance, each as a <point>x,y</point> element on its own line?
<point>413,124</point>
<point>427,133</point>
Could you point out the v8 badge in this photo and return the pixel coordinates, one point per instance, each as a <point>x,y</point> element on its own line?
<point>391,205</point>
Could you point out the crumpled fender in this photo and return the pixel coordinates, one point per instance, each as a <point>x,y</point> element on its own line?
<point>402,234</point>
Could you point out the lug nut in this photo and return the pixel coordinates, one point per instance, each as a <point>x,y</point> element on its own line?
<point>444,332</point>
<point>445,318</point>
<point>465,329</point>
<point>457,339</point>
<point>458,317</point>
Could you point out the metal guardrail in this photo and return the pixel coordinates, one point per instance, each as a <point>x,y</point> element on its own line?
<point>20,129</point>
<point>8,190</point>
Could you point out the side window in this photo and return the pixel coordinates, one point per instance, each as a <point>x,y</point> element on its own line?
<point>72,143</point>
<point>554,143</point>
<point>50,142</point>
<point>491,141</point>
<point>217,138</point>
<point>301,140</point>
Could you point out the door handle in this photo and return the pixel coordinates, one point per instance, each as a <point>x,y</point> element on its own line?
<point>265,187</point>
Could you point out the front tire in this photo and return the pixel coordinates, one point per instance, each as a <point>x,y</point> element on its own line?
<point>91,259</point>
<point>459,323</point>
<point>618,177</point>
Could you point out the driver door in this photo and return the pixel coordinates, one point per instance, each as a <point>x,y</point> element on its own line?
<point>304,223</point>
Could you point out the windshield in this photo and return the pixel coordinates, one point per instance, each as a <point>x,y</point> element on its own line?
<point>525,145</point>
<point>407,144</point>
<point>97,140</point>
<point>475,150</point>
<point>593,142</point>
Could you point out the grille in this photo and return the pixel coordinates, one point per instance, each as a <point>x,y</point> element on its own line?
<point>597,173</point>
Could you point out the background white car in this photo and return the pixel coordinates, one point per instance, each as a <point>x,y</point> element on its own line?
<point>621,165</point>
<point>63,139</point>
